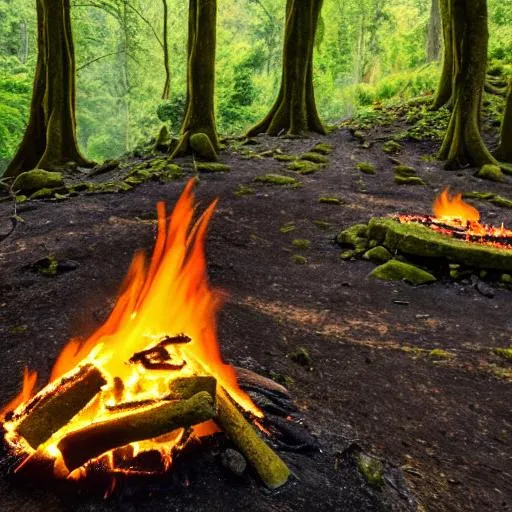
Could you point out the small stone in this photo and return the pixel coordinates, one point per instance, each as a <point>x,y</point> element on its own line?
<point>486,290</point>
<point>234,461</point>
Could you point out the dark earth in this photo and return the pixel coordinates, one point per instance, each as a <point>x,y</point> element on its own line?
<point>371,379</point>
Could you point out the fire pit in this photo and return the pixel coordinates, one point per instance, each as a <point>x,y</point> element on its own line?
<point>149,382</point>
<point>453,235</point>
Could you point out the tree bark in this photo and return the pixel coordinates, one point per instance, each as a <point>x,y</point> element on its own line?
<point>50,139</point>
<point>444,89</point>
<point>434,32</point>
<point>294,111</point>
<point>463,144</point>
<point>165,46</point>
<point>504,152</point>
<point>200,107</point>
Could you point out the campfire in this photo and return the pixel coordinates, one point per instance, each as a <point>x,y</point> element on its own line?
<point>150,380</point>
<point>456,218</point>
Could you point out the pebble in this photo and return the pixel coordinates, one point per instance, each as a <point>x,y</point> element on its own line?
<point>234,461</point>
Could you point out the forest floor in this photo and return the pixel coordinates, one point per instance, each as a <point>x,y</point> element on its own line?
<point>445,421</point>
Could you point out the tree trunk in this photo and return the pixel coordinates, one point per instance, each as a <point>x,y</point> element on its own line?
<point>504,152</point>
<point>444,89</point>
<point>50,140</point>
<point>463,144</point>
<point>294,111</point>
<point>200,107</point>
<point>165,45</point>
<point>434,32</point>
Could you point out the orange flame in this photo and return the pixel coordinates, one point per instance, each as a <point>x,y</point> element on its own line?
<point>454,207</point>
<point>166,297</point>
<point>27,390</point>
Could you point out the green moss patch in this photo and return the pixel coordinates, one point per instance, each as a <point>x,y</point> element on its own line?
<point>299,259</point>
<point>394,270</point>
<point>321,224</point>
<point>404,170</point>
<point>371,469</point>
<point>212,167</point>
<point>277,179</point>
<point>489,196</point>
<point>491,173</point>
<point>203,147</point>
<point>504,352</point>
<point>355,236</point>
<point>330,200</point>
<point>285,158</point>
<point>301,243</point>
<point>366,167</point>
<point>409,180</point>
<point>439,353</point>
<point>392,147</point>
<point>304,167</point>
<point>317,158</point>
<point>322,148</point>
<point>243,190</point>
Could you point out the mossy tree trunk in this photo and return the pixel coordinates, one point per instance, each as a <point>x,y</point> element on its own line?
<point>50,139</point>
<point>504,152</point>
<point>434,32</point>
<point>444,89</point>
<point>463,144</point>
<point>165,47</point>
<point>200,106</point>
<point>294,111</point>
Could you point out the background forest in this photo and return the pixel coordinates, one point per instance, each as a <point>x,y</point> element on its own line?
<point>367,51</point>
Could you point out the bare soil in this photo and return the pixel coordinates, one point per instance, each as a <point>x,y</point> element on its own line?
<point>446,422</point>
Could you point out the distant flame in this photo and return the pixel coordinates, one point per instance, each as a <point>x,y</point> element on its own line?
<point>454,207</point>
<point>168,296</point>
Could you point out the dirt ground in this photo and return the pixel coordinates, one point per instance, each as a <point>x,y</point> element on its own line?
<point>446,422</point>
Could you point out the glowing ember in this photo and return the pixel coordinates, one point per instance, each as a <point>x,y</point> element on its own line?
<point>456,218</point>
<point>161,329</point>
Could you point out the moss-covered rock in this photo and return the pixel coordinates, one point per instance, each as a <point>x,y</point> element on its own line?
<point>355,236</point>
<point>506,278</point>
<point>501,201</point>
<point>304,167</point>
<point>366,167</point>
<point>301,356</point>
<point>504,352</point>
<point>391,147</point>
<point>348,255</point>
<point>439,353</point>
<point>317,158</point>
<point>209,167</point>
<point>203,147</point>
<point>490,172</point>
<point>394,270</point>
<point>37,179</point>
<point>322,148</point>
<point>277,179</point>
<point>377,255</point>
<point>301,243</point>
<point>321,224</point>
<point>418,240</point>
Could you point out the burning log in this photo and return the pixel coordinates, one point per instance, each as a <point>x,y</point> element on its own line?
<point>87,443</point>
<point>183,388</point>
<point>269,466</point>
<point>46,414</point>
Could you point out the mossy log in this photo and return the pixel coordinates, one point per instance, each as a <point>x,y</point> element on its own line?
<point>417,240</point>
<point>504,152</point>
<point>463,143</point>
<point>50,140</point>
<point>294,111</point>
<point>184,388</point>
<point>46,413</point>
<point>268,465</point>
<point>87,443</point>
<point>199,108</point>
